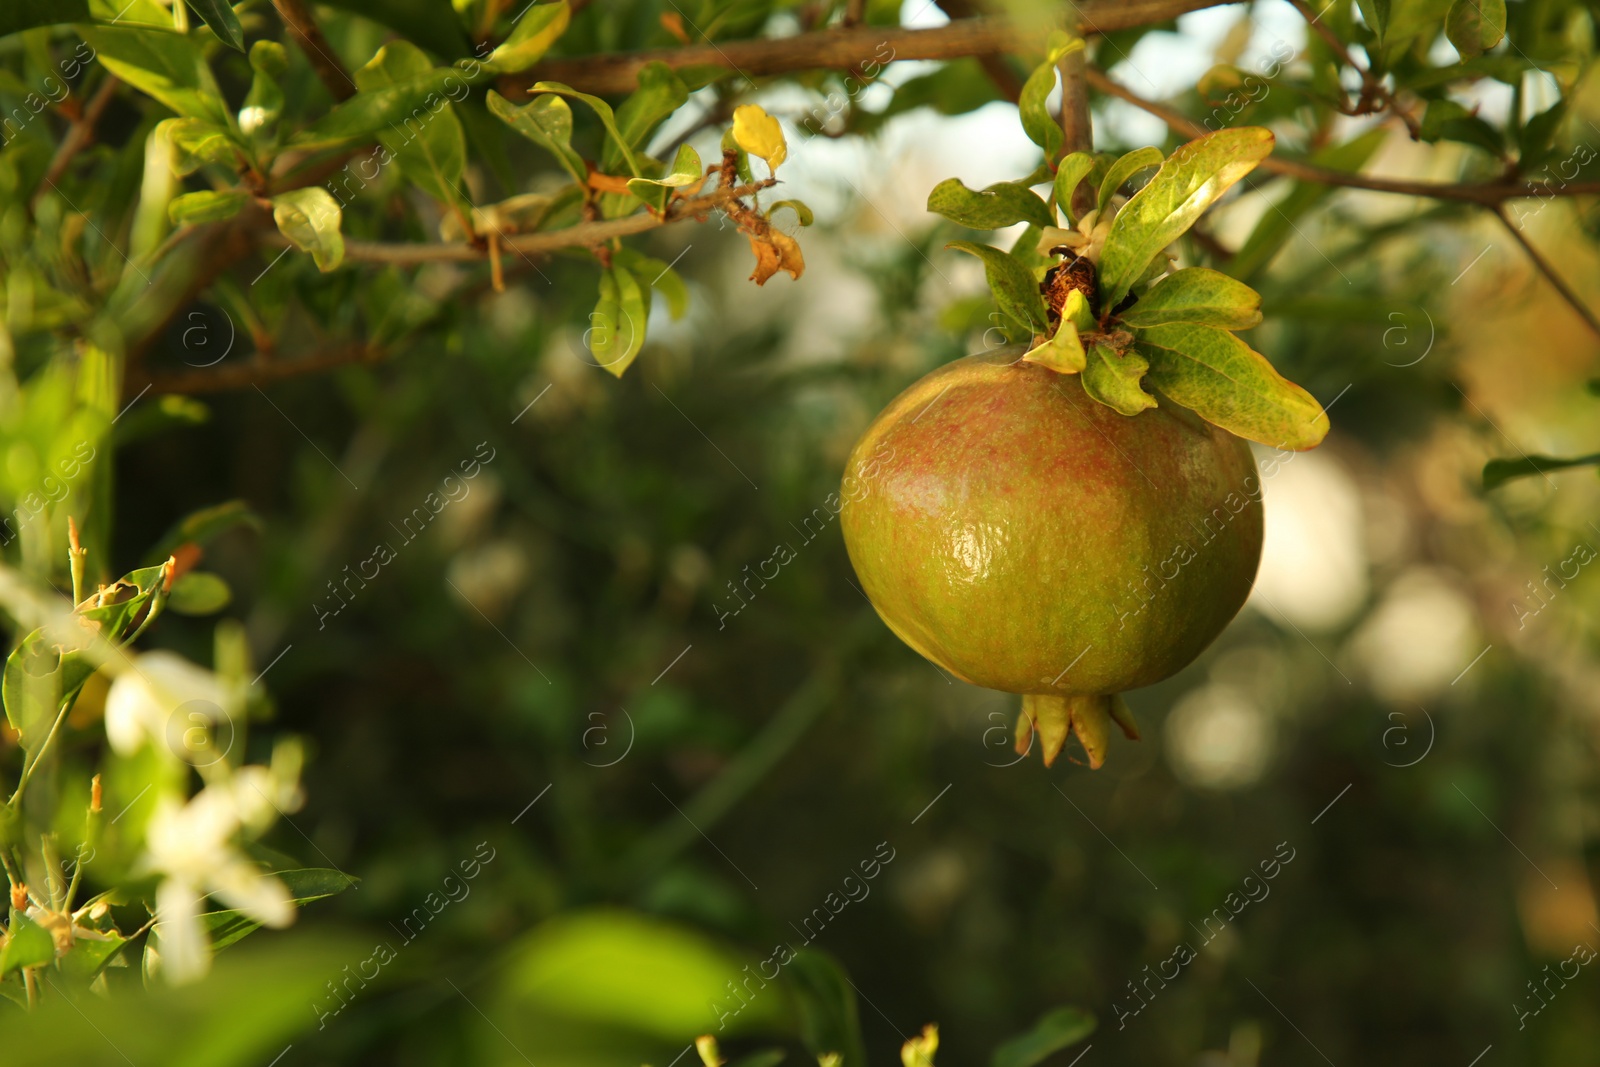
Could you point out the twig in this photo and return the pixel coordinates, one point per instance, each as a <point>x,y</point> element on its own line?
<point>1548,270</point>
<point>256,371</point>
<point>297,18</point>
<point>582,235</point>
<point>1371,86</point>
<point>1077,133</point>
<point>842,49</point>
<point>1488,194</point>
<point>79,136</point>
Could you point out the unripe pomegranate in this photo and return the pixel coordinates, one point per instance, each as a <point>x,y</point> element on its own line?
<point>1024,537</point>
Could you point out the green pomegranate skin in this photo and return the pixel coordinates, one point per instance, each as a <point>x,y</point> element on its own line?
<point>1026,538</point>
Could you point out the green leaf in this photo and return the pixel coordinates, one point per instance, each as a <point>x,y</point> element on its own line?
<point>1073,169</point>
<point>264,102</point>
<point>19,15</point>
<point>1376,12</point>
<point>660,92</point>
<point>196,143</point>
<point>429,144</point>
<point>1042,129</point>
<point>27,944</point>
<point>218,14</point>
<point>1498,472</point>
<point>1199,295</point>
<point>801,211</point>
<point>607,118</point>
<point>428,23</point>
<point>1012,283</point>
<point>200,527</point>
<point>1055,1031</point>
<point>1126,167</point>
<point>304,884</point>
<point>663,279</point>
<point>170,67</point>
<point>1277,224</point>
<point>686,170</point>
<point>1228,383</point>
<point>536,30</point>
<point>1191,180</point>
<point>199,593</point>
<point>1438,113</point>
<point>826,1003</point>
<point>617,325</point>
<point>1475,26</point>
<point>1063,353</point>
<point>1538,133</point>
<point>1000,205</point>
<point>413,99</point>
<point>310,219</point>
<point>191,209</point>
<point>547,122</point>
<point>1112,378</point>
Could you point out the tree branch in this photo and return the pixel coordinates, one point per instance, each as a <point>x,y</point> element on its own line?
<point>1488,194</point>
<point>296,15</point>
<point>844,48</point>
<point>1546,268</point>
<point>80,135</point>
<point>583,234</point>
<point>257,371</point>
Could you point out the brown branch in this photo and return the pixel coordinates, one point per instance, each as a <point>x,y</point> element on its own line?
<point>1546,268</point>
<point>847,47</point>
<point>1488,194</point>
<point>582,235</point>
<point>1006,80</point>
<point>1370,86</point>
<point>80,136</point>
<point>296,15</point>
<point>257,371</point>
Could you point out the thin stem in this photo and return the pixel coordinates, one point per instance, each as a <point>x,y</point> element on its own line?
<point>1076,129</point>
<point>27,771</point>
<point>80,136</point>
<point>1371,85</point>
<point>843,49</point>
<point>1546,268</point>
<point>1485,193</point>
<point>582,235</point>
<point>297,18</point>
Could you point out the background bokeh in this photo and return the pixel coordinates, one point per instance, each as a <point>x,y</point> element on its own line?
<point>1405,716</point>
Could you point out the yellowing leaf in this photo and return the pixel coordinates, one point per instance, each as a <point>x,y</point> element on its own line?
<point>1226,382</point>
<point>758,133</point>
<point>1063,353</point>
<point>310,219</point>
<point>775,251</point>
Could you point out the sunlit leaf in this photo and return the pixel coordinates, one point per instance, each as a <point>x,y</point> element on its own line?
<point>1475,26</point>
<point>429,143</point>
<point>218,14</point>
<point>759,134</point>
<point>1226,382</point>
<point>1191,180</point>
<point>617,325</point>
<point>27,945</point>
<point>1125,167</point>
<point>1113,378</point>
<point>310,219</point>
<point>191,209</point>
<point>1197,294</point>
<point>1012,284</point>
<point>169,67</point>
<point>547,122</point>
<point>995,207</point>
<point>601,109</point>
<point>1074,168</point>
<point>535,31</point>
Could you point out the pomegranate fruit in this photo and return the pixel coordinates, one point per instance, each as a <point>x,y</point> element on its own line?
<point>1026,538</point>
